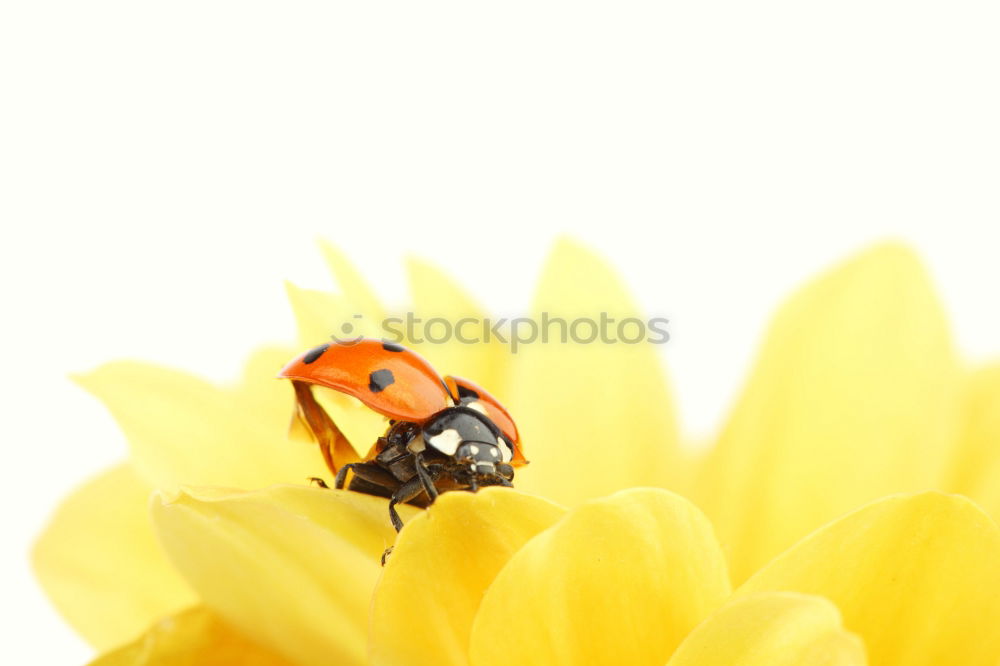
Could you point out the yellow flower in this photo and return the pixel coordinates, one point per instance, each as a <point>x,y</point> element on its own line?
<point>857,395</point>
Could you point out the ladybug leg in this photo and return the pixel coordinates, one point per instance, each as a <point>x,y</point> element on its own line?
<point>404,494</point>
<point>338,483</point>
<point>425,476</point>
<point>366,472</point>
<point>318,481</point>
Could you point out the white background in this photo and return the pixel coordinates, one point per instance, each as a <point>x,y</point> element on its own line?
<point>166,165</point>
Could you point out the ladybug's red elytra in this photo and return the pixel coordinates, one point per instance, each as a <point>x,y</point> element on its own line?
<point>444,434</point>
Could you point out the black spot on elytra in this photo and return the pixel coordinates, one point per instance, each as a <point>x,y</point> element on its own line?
<point>392,346</point>
<point>380,379</point>
<point>315,353</point>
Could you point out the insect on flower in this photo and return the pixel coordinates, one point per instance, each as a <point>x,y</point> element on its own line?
<point>444,434</point>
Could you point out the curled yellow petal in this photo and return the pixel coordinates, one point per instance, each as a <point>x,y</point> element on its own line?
<point>854,396</point>
<point>620,580</point>
<point>100,564</point>
<point>438,571</point>
<point>184,430</point>
<point>916,576</point>
<point>292,567</point>
<point>194,637</point>
<point>595,417</point>
<point>772,629</point>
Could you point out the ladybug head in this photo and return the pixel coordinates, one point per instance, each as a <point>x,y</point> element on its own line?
<point>468,435</point>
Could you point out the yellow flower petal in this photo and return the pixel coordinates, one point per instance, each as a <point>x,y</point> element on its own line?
<point>977,471</point>
<point>854,396</point>
<point>916,576</point>
<point>320,315</point>
<point>352,285</point>
<point>595,418</point>
<point>619,580</point>
<point>772,629</point>
<point>435,577</point>
<point>194,637</point>
<point>353,311</point>
<point>99,562</point>
<point>292,567</point>
<point>437,295</point>
<point>183,430</point>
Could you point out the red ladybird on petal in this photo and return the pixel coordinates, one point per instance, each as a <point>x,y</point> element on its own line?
<point>443,434</point>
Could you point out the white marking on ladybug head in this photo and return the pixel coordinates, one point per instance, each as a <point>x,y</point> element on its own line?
<point>479,407</point>
<point>446,441</point>
<point>417,444</point>
<point>473,449</point>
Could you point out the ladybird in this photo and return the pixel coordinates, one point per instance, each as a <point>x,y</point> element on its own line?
<point>443,434</point>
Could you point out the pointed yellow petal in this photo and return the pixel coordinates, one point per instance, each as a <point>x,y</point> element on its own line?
<point>854,396</point>
<point>293,567</point>
<point>977,472</point>
<point>463,349</point>
<point>594,417</point>
<point>99,562</point>
<point>194,637</point>
<point>183,430</point>
<point>320,316</point>
<point>351,284</point>
<point>772,629</point>
<point>620,580</point>
<point>915,575</point>
<point>440,568</point>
